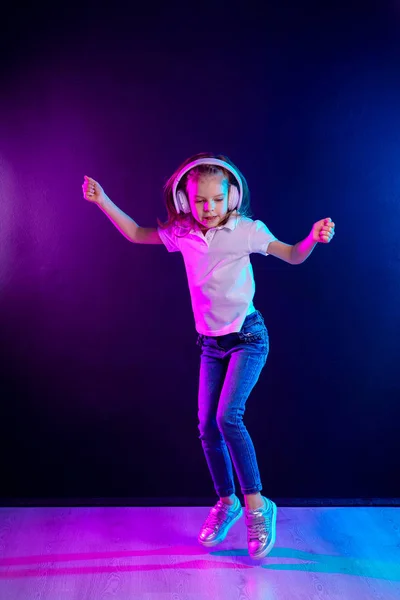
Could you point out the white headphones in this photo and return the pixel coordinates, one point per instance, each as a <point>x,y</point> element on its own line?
<point>235,196</point>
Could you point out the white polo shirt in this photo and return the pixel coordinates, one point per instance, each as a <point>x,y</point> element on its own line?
<point>219,271</point>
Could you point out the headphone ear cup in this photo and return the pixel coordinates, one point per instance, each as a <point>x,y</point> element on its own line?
<point>183,203</point>
<point>233,198</point>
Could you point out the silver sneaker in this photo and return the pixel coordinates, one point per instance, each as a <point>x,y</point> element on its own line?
<point>261,529</point>
<point>219,521</point>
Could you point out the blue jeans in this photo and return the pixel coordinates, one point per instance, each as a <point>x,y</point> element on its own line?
<point>229,369</point>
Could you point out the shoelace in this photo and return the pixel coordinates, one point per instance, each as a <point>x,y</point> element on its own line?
<point>260,526</point>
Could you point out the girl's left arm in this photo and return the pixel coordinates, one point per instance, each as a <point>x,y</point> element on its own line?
<point>322,231</point>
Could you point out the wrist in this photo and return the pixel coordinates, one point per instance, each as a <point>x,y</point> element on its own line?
<point>310,239</point>
<point>102,201</point>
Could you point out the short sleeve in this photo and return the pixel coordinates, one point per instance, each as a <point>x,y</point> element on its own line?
<point>169,238</point>
<point>260,237</point>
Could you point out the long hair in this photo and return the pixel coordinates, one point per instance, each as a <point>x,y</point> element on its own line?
<point>173,217</point>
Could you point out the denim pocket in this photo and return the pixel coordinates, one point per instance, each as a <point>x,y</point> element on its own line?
<point>253,336</point>
<point>253,332</point>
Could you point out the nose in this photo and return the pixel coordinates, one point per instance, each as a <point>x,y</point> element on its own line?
<point>209,205</point>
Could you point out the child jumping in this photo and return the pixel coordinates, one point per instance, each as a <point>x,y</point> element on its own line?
<point>208,206</point>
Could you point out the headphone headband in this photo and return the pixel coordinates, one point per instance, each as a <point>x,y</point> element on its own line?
<point>209,161</point>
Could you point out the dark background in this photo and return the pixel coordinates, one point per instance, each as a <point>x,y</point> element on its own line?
<point>99,366</point>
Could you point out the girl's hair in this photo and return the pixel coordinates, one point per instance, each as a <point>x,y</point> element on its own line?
<point>181,218</point>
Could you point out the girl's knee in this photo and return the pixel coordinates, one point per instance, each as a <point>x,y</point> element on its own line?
<point>226,423</point>
<point>229,421</point>
<point>209,430</point>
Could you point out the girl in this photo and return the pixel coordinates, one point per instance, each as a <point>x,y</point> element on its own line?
<point>207,201</point>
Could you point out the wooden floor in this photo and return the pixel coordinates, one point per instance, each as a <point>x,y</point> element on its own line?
<point>152,553</point>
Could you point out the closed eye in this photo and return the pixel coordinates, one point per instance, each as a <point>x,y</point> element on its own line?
<point>204,200</point>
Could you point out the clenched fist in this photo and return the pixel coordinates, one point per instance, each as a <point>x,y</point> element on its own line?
<point>323,231</point>
<point>92,190</point>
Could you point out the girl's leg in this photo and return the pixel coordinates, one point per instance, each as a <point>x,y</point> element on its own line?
<point>245,365</point>
<point>212,375</point>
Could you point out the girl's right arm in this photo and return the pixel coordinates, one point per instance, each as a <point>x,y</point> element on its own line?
<point>93,192</point>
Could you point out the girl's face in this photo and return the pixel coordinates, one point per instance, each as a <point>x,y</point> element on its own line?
<point>208,197</point>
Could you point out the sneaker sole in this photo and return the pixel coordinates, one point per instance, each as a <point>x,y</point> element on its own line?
<point>221,539</point>
<point>268,549</point>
